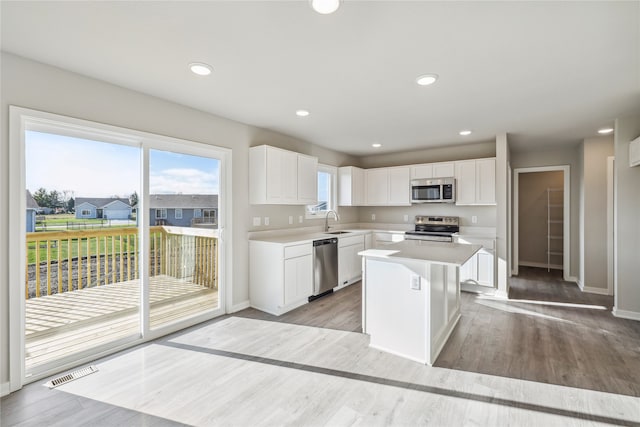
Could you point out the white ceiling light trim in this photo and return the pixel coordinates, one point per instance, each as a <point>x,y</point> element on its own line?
<point>427,79</point>
<point>200,68</point>
<point>325,7</point>
<point>465,132</point>
<point>302,113</point>
<point>605,131</point>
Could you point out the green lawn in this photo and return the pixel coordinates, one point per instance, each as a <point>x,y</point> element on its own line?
<point>69,221</point>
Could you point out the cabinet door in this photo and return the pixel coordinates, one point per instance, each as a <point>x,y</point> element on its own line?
<point>399,187</point>
<point>356,261</point>
<point>307,180</point>
<point>289,173</point>
<point>274,175</point>
<point>486,181</point>
<point>444,170</point>
<point>298,279</point>
<point>357,190</point>
<point>466,182</point>
<point>469,270</point>
<point>377,186</point>
<point>344,267</point>
<point>485,268</point>
<point>422,171</point>
<point>350,186</point>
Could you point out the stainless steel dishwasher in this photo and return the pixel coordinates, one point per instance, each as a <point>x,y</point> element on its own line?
<point>325,266</point>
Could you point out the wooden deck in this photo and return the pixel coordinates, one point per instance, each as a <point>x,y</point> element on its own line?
<point>62,324</point>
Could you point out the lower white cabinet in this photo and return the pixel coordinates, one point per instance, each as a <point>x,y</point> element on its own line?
<point>349,262</point>
<point>280,276</point>
<point>480,269</point>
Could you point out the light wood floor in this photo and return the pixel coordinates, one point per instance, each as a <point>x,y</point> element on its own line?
<point>63,324</point>
<point>255,369</point>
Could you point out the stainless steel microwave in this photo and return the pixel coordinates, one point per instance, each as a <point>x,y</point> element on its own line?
<point>437,190</point>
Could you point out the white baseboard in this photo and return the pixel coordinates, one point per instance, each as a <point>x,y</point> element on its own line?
<point>539,265</point>
<point>592,290</point>
<point>501,294</point>
<point>240,306</point>
<point>626,314</point>
<point>5,388</point>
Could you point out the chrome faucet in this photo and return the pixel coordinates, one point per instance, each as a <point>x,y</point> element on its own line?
<point>326,220</point>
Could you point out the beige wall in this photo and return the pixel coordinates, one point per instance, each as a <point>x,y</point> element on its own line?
<point>627,208</point>
<point>532,217</point>
<point>41,87</point>
<point>486,215</point>
<point>430,155</point>
<point>593,221</point>
<point>567,156</point>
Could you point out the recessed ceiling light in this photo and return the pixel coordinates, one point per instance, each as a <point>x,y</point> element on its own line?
<point>302,113</point>
<point>465,132</point>
<point>427,79</point>
<point>376,145</point>
<point>325,7</point>
<point>200,68</point>
<point>605,131</point>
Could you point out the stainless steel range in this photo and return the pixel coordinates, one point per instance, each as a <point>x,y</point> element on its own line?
<point>434,228</point>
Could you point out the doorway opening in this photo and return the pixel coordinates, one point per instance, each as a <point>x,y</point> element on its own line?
<point>541,219</point>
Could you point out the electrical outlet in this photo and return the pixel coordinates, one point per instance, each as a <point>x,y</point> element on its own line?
<point>256,221</point>
<point>290,219</point>
<point>373,217</point>
<point>406,218</point>
<point>474,219</point>
<point>266,220</point>
<point>415,282</point>
<point>300,219</point>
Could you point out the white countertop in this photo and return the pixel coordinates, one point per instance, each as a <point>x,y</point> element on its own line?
<point>302,238</point>
<point>438,252</point>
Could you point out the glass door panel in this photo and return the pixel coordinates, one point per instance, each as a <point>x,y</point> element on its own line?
<point>184,240</point>
<point>82,285</point>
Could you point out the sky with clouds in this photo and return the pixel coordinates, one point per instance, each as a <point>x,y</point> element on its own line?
<point>97,169</point>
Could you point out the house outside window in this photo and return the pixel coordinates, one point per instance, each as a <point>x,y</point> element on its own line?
<point>178,213</point>
<point>327,192</point>
<point>161,213</point>
<point>85,212</point>
<point>209,216</point>
<point>197,213</point>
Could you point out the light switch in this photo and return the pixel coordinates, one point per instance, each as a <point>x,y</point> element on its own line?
<point>474,219</point>
<point>290,219</point>
<point>406,218</point>
<point>266,220</point>
<point>373,217</point>
<point>415,282</point>
<point>300,219</point>
<point>256,221</point>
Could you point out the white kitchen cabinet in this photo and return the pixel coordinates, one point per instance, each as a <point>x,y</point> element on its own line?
<point>433,170</point>
<point>350,186</point>
<point>278,176</point>
<point>280,275</point>
<point>383,238</point>
<point>476,182</point>
<point>388,186</point>
<point>307,179</point>
<point>349,262</point>
<point>480,269</point>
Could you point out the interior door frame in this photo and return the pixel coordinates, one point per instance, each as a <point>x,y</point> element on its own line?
<point>566,229</point>
<point>23,119</point>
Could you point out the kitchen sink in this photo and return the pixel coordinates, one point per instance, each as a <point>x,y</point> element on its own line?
<point>337,232</point>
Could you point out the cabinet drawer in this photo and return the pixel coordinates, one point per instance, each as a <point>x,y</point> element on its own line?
<point>298,250</point>
<point>351,240</point>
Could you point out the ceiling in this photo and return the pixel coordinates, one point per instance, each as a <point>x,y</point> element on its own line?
<point>547,73</point>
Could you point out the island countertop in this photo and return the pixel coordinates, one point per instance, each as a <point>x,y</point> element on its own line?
<point>424,250</point>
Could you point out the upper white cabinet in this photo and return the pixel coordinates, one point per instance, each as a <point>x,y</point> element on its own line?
<point>476,182</point>
<point>278,176</point>
<point>433,170</point>
<point>350,186</point>
<point>388,186</point>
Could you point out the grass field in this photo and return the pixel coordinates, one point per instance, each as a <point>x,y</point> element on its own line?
<point>69,221</point>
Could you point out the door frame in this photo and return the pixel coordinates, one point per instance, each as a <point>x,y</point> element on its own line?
<point>566,229</point>
<point>23,119</point>
<point>611,225</point>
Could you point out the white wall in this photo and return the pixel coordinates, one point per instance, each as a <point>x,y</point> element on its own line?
<point>41,87</point>
<point>593,221</point>
<point>627,214</point>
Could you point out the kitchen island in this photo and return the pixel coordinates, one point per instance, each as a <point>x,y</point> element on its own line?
<point>411,296</point>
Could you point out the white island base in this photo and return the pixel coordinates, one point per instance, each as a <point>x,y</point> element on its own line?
<point>411,296</point>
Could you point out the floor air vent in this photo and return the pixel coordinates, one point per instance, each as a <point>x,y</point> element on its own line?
<point>72,376</point>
